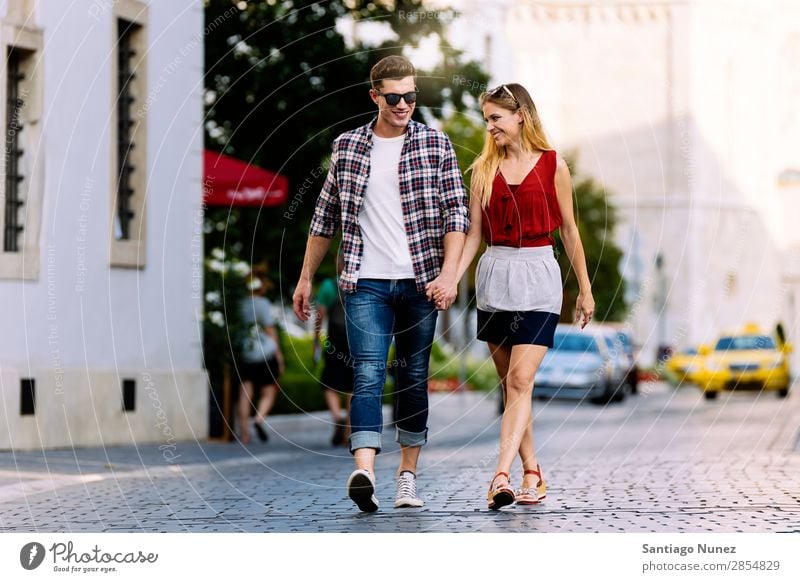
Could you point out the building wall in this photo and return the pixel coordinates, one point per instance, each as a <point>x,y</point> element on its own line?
<point>734,61</point>
<point>82,326</point>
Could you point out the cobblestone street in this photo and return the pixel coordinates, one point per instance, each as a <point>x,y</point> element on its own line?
<point>662,461</point>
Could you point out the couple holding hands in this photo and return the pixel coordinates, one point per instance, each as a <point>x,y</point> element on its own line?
<point>408,236</point>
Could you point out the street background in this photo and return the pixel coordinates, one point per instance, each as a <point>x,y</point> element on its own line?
<point>121,319</point>
<point>665,460</point>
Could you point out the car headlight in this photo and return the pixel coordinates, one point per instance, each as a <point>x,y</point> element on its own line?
<point>776,363</point>
<point>714,366</point>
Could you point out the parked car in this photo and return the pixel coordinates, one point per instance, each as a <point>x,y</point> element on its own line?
<point>589,363</point>
<point>625,337</point>
<point>747,359</point>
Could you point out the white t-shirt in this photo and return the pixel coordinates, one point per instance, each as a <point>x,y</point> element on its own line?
<point>386,252</point>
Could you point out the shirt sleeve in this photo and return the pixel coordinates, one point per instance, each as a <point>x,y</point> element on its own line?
<point>452,193</point>
<point>327,212</point>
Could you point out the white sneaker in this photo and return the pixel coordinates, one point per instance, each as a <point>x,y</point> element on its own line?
<point>407,491</point>
<point>361,489</point>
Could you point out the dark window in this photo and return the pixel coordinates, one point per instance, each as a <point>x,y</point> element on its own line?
<point>574,342</point>
<point>745,342</point>
<point>128,395</point>
<point>14,104</point>
<point>27,396</point>
<point>125,169</point>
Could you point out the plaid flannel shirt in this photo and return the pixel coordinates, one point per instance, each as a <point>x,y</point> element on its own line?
<point>432,196</point>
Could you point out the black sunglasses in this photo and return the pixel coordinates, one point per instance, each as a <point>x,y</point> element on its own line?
<point>393,99</point>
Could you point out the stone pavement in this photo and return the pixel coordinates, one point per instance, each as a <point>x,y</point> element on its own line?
<point>663,461</point>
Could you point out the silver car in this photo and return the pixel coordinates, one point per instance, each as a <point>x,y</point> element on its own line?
<point>585,363</point>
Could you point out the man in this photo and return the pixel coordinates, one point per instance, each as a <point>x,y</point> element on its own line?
<point>395,188</point>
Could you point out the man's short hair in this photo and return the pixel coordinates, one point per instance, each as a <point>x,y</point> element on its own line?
<point>394,67</point>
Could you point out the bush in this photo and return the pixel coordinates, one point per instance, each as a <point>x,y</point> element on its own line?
<point>300,389</point>
<point>480,374</point>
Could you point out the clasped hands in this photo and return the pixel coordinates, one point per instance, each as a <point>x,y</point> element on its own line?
<point>442,291</point>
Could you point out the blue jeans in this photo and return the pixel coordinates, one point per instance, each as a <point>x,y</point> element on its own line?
<point>376,311</point>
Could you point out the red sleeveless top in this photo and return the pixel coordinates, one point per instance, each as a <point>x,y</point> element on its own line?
<point>524,216</point>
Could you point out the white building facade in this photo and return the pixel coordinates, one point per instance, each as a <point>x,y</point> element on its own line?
<point>102,259</point>
<point>686,111</point>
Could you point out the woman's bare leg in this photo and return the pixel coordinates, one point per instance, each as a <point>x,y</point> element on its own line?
<point>334,405</point>
<point>527,448</point>
<point>516,423</point>
<point>268,395</point>
<point>243,408</point>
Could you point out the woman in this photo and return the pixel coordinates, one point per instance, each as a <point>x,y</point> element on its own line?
<point>521,192</point>
<point>261,361</point>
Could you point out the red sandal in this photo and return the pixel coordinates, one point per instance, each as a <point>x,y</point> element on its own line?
<point>502,494</point>
<point>532,495</point>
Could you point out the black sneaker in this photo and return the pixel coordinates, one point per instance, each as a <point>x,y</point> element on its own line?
<point>361,489</point>
<point>261,431</point>
<point>338,435</point>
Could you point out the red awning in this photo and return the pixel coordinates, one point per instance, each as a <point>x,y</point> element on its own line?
<point>232,182</point>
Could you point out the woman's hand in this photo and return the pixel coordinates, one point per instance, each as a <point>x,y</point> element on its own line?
<point>442,291</point>
<point>584,308</point>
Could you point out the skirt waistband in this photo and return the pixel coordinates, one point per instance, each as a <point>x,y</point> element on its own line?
<point>518,253</point>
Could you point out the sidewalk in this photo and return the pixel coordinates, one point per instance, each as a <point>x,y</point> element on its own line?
<point>661,462</point>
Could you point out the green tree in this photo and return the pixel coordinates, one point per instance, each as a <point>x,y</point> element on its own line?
<point>281,83</point>
<point>467,132</point>
<point>597,219</point>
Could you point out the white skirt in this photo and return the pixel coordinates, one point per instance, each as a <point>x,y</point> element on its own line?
<point>518,279</point>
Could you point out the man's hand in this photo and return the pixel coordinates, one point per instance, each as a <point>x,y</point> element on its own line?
<point>302,300</point>
<point>442,291</point>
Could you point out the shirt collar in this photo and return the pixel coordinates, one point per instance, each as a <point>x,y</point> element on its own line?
<point>366,130</point>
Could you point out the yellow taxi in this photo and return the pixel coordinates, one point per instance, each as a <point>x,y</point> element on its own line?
<point>685,366</point>
<point>747,359</point>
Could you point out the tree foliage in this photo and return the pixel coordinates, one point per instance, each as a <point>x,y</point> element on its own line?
<point>597,219</point>
<point>282,82</point>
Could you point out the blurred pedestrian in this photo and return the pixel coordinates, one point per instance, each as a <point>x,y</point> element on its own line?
<point>521,191</point>
<point>395,188</point>
<point>337,371</point>
<point>261,362</point>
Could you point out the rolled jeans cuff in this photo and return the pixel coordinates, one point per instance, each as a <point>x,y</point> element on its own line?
<point>365,439</point>
<point>411,439</point>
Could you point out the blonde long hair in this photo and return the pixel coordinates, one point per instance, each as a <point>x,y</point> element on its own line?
<point>513,97</point>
